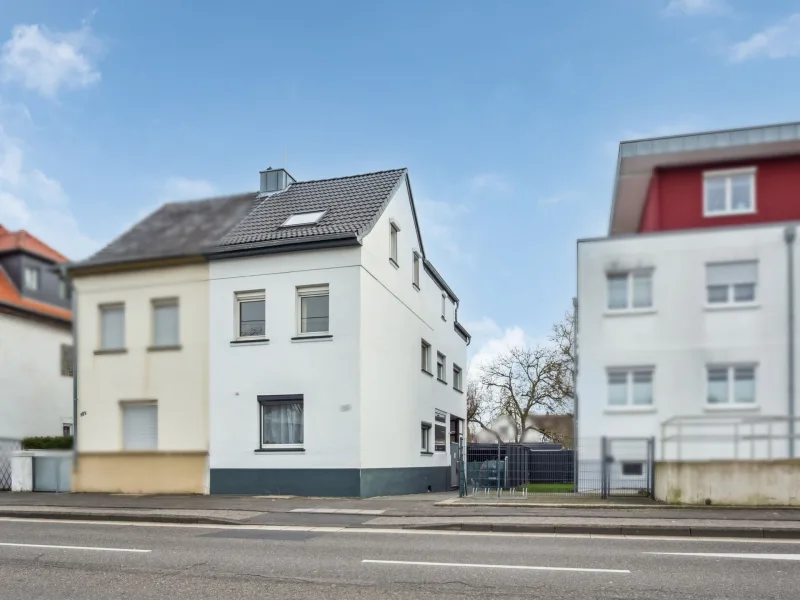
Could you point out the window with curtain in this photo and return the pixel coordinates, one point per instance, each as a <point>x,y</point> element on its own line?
<point>281,420</point>
<point>112,327</point>
<point>165,323</point>
<point>140,425</point>
<point>732,282</point>
<point>314,310</point>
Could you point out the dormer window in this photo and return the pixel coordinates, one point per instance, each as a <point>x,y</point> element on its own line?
<point>729,192</point>
<point>308,218</point>
<point>31,278</point>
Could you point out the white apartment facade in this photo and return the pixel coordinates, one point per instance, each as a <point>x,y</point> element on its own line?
<point>336,371</point>
<point>686,310</point>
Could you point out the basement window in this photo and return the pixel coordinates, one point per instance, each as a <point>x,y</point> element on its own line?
<point>308,218</point>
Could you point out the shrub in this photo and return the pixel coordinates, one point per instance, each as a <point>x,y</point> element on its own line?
<point>49,442</point>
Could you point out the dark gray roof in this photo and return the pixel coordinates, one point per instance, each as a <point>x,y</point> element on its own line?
<point>176,229</point>
<point>352,205</point>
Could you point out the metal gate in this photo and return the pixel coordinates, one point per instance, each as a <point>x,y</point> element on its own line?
<point>52,473</point>
<point>7,448</point>
<point>628,467</point>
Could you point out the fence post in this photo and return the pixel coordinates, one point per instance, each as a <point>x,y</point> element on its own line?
<point>498,469</point>
<point>604,468</point>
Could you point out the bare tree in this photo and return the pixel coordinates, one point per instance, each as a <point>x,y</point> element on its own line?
<point>480,413</point>
<point>525,382</point>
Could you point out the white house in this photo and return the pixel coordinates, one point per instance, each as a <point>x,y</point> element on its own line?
<point>335,350</point>
<point>35,345</point>
<point>686,311</point>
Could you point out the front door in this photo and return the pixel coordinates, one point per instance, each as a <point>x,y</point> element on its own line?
<point>454,465</point>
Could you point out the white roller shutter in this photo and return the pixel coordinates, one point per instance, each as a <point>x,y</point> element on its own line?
<point>140,426</point>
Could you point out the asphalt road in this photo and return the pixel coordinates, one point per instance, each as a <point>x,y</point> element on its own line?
<point>81,561</point>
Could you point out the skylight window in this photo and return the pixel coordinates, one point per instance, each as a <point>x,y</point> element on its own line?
<point>309,218</point>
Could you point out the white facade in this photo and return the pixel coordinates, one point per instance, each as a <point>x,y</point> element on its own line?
<point>35,398</point>
<point>681,335</point>
<point>363,391</point>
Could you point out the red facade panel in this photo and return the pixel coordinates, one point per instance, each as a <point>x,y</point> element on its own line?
<point>675,198</point>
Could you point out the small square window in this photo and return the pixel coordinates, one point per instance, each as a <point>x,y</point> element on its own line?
<point>66,429</point>
<point>426,356</point>
<point>31,278</point>
<point>425,434</point>
<point>457,374</point>
<point>251,316</point>
<point>313,313</point>
<point>281,421</point>
<point>441,366</point>
<point>112,327</point>
<point>632,469</point>
<point>165,323</point>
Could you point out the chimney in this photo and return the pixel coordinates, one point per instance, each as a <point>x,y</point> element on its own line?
<point>274,181</point>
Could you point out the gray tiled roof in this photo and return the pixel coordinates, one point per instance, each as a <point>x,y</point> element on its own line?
<point>177,229</point>
<point>351,204</point>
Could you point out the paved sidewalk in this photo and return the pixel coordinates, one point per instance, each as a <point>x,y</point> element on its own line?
<point>424,511</point>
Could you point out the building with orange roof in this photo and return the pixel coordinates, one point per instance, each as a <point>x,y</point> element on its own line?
<point>36,363</point>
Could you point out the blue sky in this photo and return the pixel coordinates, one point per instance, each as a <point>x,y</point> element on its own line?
<point>508,115</point>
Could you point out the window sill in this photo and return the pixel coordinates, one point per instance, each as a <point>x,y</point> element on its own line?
<point>731,306</point>
<point>458,390</point>
<point>313,338</point>
<point>630,410</point>
<point>426,453</point>
<point>426,372</point>
<point>629,312</point>
<point>286,449</point>
<point>728,213</point>
<point>394,263</point>
<point>731,407</point>
<point>250,342</point>
<point>164,348</point>
<point>415,286</point>
<point>441,381</point>
<point>111,351</point>
<point>443,319</point>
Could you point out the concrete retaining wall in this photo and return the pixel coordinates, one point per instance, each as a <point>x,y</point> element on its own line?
<point>743,483</point>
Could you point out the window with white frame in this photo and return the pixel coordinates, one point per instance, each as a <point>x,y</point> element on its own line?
<point>457,374</point>
<point>426,356</point>
<point>281,421</point>
<point>112,327</point>
<point>415,271</point>
<point>731,283</point>
<point>425,434</point>
<point>393,242</point>
<point>441,366</point>
<point>630,387</point>
<point>440,432</point>
<point>731,384</point>
<point>165,322</point>
<point>729,192</point>
<point>250,315</point>
<point>630,290</point>
<point>66,429</point>
<point>140,425</point>
<point>313,310</point>
<point>31,278</point>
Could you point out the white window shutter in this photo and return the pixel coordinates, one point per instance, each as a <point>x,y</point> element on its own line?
<point>732,273</point>
<point>165,319</point>
<point>140,426</point>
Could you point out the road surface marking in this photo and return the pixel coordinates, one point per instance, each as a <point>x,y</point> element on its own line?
<point>72,547</point>
<point>477,566</point>
<point>731,555</point>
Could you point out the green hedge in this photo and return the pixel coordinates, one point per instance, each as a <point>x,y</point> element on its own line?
<point>50,442</point>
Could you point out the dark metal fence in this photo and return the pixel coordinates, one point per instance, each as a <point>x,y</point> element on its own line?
<point>600,467</point>
<point>7,448</point>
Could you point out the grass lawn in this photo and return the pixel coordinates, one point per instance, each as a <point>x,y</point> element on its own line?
<point>548,488</point>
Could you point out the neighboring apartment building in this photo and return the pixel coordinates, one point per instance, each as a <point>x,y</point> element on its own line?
<point>35,339</point>
<point>686,308</point>
<point>314,308</point>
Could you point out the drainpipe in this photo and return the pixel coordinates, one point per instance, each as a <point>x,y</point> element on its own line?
<point>74,307</point>
<point>789,236</point>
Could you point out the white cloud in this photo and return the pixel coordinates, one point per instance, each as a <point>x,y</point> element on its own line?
<point>31,200</point>
<point>490,340</point>
<point>47,61</point>
<point>693,8</point>
<point>183,188</point>
<point>489,182</point>
<point>779,41</point>
<point>438,222</point>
